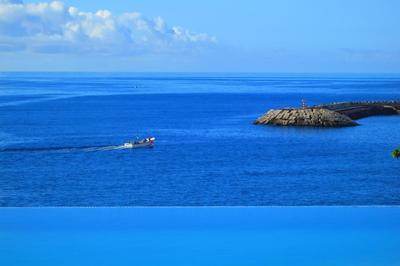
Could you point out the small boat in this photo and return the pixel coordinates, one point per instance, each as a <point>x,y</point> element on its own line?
<point>144,143</point>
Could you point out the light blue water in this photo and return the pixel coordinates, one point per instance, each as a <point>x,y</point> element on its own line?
<point>206,236</point>
<point>58,130</point>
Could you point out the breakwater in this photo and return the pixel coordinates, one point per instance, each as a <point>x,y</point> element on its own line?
<point>340,114</point>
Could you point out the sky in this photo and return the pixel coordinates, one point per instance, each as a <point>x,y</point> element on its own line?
<point>285,36</point>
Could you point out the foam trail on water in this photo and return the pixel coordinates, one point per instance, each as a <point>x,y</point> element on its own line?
<point>105,148</point>
<point>65,149</point>
<point>36,100</point>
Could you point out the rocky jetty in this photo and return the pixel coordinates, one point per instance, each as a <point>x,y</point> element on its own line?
<point>328,115</point>
<point>358,110</point>
<point>315,117</point>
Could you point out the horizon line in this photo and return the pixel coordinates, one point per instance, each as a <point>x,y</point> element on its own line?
<point>198,72</point>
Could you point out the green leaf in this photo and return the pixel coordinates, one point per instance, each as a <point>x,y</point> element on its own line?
<point>396,153</point>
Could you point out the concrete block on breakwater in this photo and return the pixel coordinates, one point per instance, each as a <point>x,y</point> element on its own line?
<point>328,115</point>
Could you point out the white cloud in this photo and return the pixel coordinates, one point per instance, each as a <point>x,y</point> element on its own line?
<point>53,27</point>
<point>11,1</point>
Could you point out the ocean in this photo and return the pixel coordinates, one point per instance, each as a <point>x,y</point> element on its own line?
<point>311,236</point>
<point>60,132</point>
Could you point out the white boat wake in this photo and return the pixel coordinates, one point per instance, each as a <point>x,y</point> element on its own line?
<point>145,143</point>
<point>67,149</point>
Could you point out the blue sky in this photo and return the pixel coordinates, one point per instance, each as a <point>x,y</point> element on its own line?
<point>212,36</point>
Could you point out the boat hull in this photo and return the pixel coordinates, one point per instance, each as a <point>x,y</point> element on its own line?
<point>133,145</point>
<point>136,146</point>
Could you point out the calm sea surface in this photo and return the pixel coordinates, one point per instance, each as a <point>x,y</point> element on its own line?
<point>58,134</point>
<point>312,236</point>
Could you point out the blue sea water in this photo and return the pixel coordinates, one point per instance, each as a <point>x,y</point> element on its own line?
<point>57,132</point>
<point>306,236</point>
